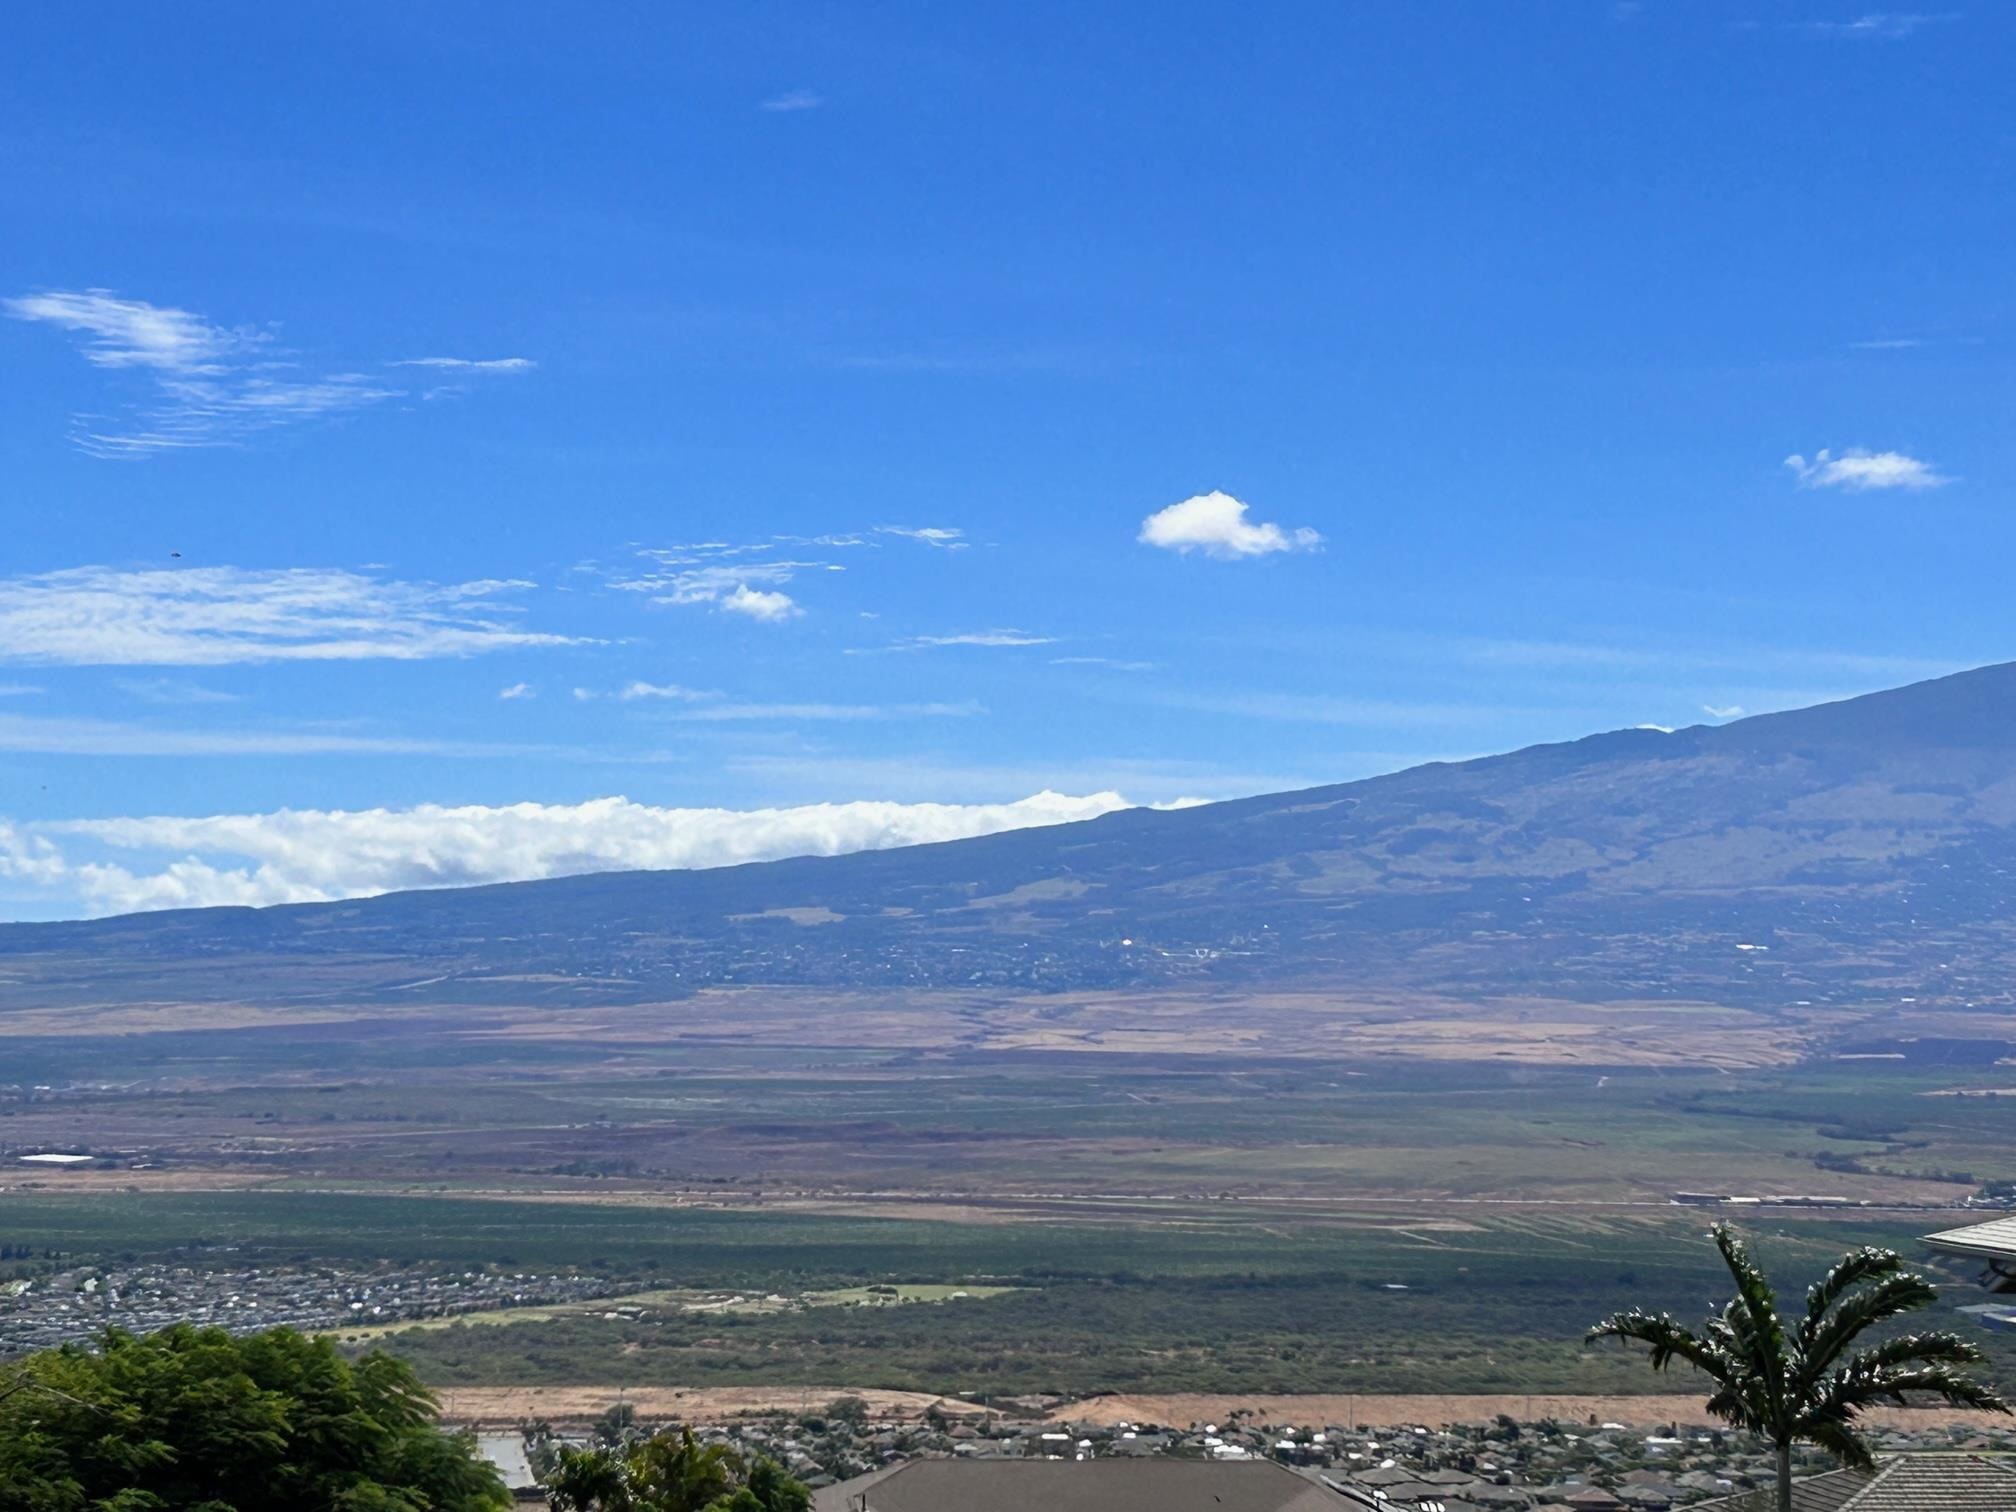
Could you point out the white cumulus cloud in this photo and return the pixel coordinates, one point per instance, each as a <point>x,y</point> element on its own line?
<point>1216,524</point>
<point>1858,471</point>
<point>760,604</point>
<point>215,616</point>
<point>308,855</point>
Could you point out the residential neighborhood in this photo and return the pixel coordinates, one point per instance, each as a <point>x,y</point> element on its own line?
<point>1499,1466</point>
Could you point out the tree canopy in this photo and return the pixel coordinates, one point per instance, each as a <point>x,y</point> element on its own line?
<point>671,1472</point>
<point>199,1419</point>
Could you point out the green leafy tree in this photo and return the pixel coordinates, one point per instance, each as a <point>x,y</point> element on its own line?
<point>1797,1381</point>
<point>199,1419</point>
<point>618,1425</point>
<point>671,1472</point>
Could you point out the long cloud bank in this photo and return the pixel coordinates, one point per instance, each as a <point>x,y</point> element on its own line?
<point>314,855</point>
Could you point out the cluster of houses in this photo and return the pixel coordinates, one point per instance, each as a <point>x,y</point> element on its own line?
<point>981,1460</point>
<point>1917,1483</point>
<point>46,1310</point>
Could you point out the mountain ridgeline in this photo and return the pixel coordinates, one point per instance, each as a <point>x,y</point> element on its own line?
<point>1856,851</point>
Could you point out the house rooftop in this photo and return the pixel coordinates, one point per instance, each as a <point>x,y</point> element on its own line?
<point>1909,1483</point>
<point>1993,1240</point>
<point>1134,1485</point>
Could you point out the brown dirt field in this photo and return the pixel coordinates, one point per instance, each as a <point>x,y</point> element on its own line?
<point>707,1404</point>
<point>1162,1023</point>
<point>1434,1411</point>
<point>699,1404</point>
<point>59,1182</point>
<point>152,1018</point>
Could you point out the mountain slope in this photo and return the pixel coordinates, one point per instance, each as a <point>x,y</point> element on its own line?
<point>1858,849</point>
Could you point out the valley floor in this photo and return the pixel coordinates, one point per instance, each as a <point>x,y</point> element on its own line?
<point>1417,1202</point>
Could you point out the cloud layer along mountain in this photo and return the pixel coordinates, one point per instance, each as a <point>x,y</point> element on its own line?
<point>309,855</point>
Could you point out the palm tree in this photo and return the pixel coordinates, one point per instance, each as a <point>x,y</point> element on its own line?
<point>1799,1383</point>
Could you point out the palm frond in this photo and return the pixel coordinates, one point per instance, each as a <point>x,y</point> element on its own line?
<point>1890,1297</point>
<point>1750,1390</point>
<point>1854,1268</point>
<point>1756,1333</point>
<point>1851,1392</point>
<point>1937,1348</point>
<point>1668,1341</point>
<point>1752,1314</point>
<point>1841,1441</point>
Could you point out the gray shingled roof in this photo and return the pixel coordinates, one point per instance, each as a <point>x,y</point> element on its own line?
<point>1994,1240</point>
<point>1909,1483</point>
<point>1949,1482</point>
<point>1152,1485</point>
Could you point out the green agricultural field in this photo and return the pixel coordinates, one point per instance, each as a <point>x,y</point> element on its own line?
<point>715,1303</point>
<point>1171,1297</point>
<point>1154,1222</point>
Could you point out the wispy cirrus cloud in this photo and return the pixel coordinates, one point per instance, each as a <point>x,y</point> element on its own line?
<point>675,692</point>
<point>1216,525</point>
<point>1333,709</point>
<point>738,587</point>
<point>992,638</point>
<point>172,691</point>
<point>308,855</point>
<point>750,577</point>
<point>707,705</point>
<point>941,536</point>
<point>470,364</point>
<point>734,578</point>
<point>1858,471</point>
<point>208,385</point>
<point>48,736</point>
<point>1112,663</point>
<point>217,616</point>
<point>792,100</point>
<point>131,333</point>
<point>726,712</point>
<point>1876,26</point>
<point>205,384</point>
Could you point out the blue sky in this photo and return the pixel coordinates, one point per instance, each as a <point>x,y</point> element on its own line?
<point>819,376</point>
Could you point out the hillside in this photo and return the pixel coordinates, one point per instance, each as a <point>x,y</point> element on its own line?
<point>1852,850</point>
